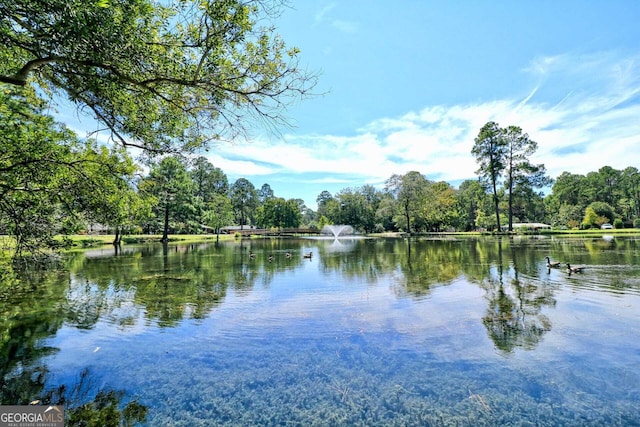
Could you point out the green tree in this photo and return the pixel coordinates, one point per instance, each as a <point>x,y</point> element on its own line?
<point>322,221</point>
<point>209,180</point>
<point>568,190</point>
<point>218,213</point>
<point>332,209</point>
<point>48,175</point>
<point>385,213</point>
<point>292,213</point>
<point>567,216</point>
<point>265,193</point>
<point>605,185</point>
<point>408,191</point>
<point>116,203</point>
<point>170,183</point>
<point>244,199</point>
<point>590,218</point>
<point>169,75</point>
<point>372,198</point>
<point>278,212</point>
<point>489,149</point>
<point>470,199</point>
<point>323,198</point>
<point>527,204</point>
<point>603,210</point>
<point>519,171</point>
<point>630,182</point>
<point>357,208</point>
<point>440,206</point>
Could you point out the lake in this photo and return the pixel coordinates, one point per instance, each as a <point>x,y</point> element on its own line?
<point>367,332</point>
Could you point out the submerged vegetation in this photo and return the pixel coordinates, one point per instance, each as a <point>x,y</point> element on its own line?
<point>438,331</point>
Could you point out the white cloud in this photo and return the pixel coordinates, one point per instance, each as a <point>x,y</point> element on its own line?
<point>323,12</point>
<point>345,26</point>
<point>579,127</point>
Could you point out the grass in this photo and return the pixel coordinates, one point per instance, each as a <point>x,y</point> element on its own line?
<point>84,240</point>
<point>107,239</point>
<point>594,232</point>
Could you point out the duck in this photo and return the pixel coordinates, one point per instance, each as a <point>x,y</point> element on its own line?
<point>270,258</point>
<point>552,264</point>
<point>575,269</point>
<point>252,255</point>
<point>309,255</point>
<point>287,254</point>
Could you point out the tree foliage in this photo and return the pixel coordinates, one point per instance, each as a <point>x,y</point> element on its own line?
<point>265,193</point>
<point>162,76</point>
<point>209,180</point>
<point>617,189</point>
<point>439,206</point>
<point>48,177</point>
<point>278,212</point>
<point>408,191</point>
<point>218,213</point>
<point>521,175</point>
<point>171,185</point>
<point>489,149</point>
<point>470,198</point>
<point>244,199</point>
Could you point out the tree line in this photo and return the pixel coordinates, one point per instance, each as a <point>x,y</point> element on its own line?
<point>53,183</point>
<point>163,78</point>
<point>168,80</point>
<point>64,185</point>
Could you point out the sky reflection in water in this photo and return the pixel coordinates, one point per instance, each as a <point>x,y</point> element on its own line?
<point>369,332</point>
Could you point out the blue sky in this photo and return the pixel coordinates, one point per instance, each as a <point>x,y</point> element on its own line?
<point>408,84</point>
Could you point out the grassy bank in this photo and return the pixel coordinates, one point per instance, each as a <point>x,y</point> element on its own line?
<point>594,232</point>
<point>85,241</point>
<point>79,240</point>
<point>575,233</point>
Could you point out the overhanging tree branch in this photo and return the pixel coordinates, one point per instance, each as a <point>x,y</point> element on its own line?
<point>167,77</point>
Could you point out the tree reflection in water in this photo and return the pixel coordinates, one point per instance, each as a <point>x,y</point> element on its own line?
<point>361,298</point>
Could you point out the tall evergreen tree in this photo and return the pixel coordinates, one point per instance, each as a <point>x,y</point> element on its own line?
<point>170,183</point>
<point>489,149</point>
<point>519,170</point>
<point>244,199</point>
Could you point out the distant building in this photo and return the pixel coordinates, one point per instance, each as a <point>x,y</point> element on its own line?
<point>97,229</point>
<point>530,226</point>
<point>230,229</point>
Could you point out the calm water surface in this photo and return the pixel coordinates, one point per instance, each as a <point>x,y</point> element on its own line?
<point>466,332</point>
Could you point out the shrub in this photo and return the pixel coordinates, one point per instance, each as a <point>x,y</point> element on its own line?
<point>636,223</point>
<point>617,223</point>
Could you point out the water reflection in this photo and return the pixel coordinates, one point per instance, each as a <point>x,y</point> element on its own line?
<point>360,319</point>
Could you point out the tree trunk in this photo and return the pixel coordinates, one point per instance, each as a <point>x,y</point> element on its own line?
<point>407,215</point>
<point>511,192</point>
<point>496,204</point>
<point>118,237</point>
<point>165,231</point>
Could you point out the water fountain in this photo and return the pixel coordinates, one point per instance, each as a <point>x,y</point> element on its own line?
<point>337,230</point>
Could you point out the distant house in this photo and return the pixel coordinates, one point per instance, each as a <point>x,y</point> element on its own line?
<point>97,228</point>
<point>230,229</point>
<point>530,226</point>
